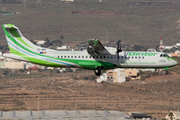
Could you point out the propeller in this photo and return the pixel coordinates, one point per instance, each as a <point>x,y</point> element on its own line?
<point>118,49</point>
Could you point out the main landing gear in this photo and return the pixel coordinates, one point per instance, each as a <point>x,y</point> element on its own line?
<point>97,71</point>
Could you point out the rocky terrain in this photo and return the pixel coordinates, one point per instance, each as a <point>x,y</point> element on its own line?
<point>156,95</point>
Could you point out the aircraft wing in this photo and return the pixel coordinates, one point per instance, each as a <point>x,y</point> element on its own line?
<point>95,47</point>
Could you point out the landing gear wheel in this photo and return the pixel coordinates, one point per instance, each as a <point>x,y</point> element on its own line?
<point>97,71</point>
<point>166,72</point>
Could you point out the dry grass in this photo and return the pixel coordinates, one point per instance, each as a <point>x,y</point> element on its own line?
<point>156,95</point>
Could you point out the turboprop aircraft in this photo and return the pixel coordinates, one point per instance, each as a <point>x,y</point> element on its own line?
<point>96,57</point>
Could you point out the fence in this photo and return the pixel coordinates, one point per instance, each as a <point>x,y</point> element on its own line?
<point>64,115</point>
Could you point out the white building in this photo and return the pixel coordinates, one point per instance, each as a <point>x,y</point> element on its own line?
<point>103,77</point>
<point>62,48</point>
<point>151,50</point>
<point>31,65</point>
<point>13,64</point>
<point>116,75</point>
<point>174,114</point>
<point>178,44</point>
<point>168,47</point>
<point>41,42</point>
<point>119,75</point>
<point>1,60</point>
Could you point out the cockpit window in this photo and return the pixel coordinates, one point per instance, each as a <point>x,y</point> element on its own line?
<point>164,55</point>
<point>167,55</point>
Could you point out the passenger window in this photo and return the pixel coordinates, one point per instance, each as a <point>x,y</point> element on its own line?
<point>139,57</point>
<point>121,57</point>
<point>68,57</point>
<point>71,56</point>
<point>111,57</point>
<point>132,57</point>
<point>97,57</point>
<point>135,57</point>
<point>61,56</point>
<point>82,56</point>
<point>57,56</point>
<point>107,57</point>
<point>75,56</point>
<point>79,57</point>
<point>89,56</point>
<point>93,56</point>
<point>143,57</point>
<point>64,56</point>
<point>101,57</point>
<point>161,55</point>
<point>86,56</point>
<point>104,57</point>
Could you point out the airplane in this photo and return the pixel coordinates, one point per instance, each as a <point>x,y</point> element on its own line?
<point>97,57</point>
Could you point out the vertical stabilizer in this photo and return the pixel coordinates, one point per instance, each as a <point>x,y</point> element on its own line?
<point>16,40</point>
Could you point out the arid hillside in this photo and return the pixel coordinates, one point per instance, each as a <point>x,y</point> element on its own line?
<point>156,95</point>
<point>133,23</point>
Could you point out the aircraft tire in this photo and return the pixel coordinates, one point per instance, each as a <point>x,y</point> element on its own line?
<point>166,72</point>
<point>97,71</point>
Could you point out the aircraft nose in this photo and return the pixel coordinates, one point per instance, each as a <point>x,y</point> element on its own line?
<point>172,62</point>
<point>175,62</point>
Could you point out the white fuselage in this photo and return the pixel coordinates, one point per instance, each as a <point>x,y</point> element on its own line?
<point>127,59</point>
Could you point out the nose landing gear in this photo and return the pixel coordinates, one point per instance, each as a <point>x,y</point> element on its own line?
<point>166,72</point>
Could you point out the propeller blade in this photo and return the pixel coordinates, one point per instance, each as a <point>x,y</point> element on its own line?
<point>119,46</point>
<point>117,58</point>
<point>118,50</point>
<point>119,41</point>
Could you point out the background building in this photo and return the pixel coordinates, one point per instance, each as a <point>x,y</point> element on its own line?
<point>1,60</point>
<point>13,64</point>
<point>173,115</point>
<point>132,73</point>
<point>119,75</point>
